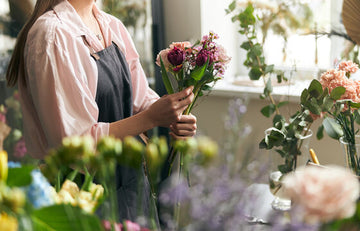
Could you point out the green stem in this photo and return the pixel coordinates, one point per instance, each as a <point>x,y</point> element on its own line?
<point>196,94</point>
<point>178,204</point>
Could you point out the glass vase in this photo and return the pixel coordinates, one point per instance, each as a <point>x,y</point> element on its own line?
<point>281,202</point>
<point>351,151</point>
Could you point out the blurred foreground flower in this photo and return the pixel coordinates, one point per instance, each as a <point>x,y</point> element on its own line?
<point>71,194</point>
<point>8,223</point>
<point>323,194</point>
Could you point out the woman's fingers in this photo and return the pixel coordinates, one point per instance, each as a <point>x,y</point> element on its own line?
<point>186,127</point>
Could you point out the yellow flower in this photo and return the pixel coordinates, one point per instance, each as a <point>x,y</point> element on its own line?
<point>97,191</point>
<point>8,223</point>
<point>64,197</point>
<point>3,165</point>
<point>85,201</point>
<point>71,188</point>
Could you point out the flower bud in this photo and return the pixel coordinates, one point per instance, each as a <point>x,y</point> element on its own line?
<point>14,198</point>
<point>8,223</point>
<point>71,187</point>
<point>3,166</point>
<point>97,191</point>
<point>109,147</point>
<point>208,150</point>
<point>76,148</point>
<point>152,156</point>
<point>132,152</point>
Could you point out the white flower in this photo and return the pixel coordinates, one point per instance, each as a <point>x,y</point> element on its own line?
<point>323,193</point>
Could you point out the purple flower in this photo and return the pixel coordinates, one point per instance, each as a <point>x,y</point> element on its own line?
<point>176,56</point>
<point>202,57</point>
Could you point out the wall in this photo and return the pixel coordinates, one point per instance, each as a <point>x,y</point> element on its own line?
<point>211,114</point>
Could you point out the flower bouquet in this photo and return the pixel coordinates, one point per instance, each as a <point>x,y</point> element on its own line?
<point>184,64</point>
<point>199,65</point>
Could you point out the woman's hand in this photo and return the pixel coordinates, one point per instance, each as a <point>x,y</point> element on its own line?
<point>184,128</point>
<point>169,108</point>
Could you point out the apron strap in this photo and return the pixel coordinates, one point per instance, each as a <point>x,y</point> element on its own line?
<point>91,49</point>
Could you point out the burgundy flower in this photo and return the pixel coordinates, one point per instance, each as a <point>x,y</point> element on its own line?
<point>176,56</point>
<point>202,57</point>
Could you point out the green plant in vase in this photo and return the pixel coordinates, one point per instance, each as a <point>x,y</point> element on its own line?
<point>336,99</point>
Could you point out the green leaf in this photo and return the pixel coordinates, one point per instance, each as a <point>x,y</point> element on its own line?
<point>268,88</point>
<point>357,116</point>
<point>313,106</point>
<point>332,128</point>
<point>268,110</point>
<point>255,73</point>
<point>198,72</point>
<point>263,145</point>
<point>246,45</point>
<point>304,96</point>
<point>283,103</point>
<point>269,69</point>
<point>19,177</point>
<point>328,103</point>
<point>256,50</point>
<point>337,92</point>
<point>64,218</point>
<point>275,138</point>
<point>165,78</point>
<point>278,119</point>
<point>320,132</point>
<point>355,105</point>
<point>284,168</point>
<point>232,6</point>
<point>315,89</point>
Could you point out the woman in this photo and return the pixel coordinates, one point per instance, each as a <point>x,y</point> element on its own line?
<point>78,73</point>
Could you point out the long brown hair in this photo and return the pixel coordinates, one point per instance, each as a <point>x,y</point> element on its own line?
<point>16,68</point>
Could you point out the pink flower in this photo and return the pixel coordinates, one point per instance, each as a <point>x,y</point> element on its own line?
<point>20,148</point>
<point>129,226</point>
<point>336,78</point>
<point>323,194</point>
<point>2,114</point>
<point>107,226</point>
<point>2,118</point>
<point>348,67</point>
<point>181,45</point>
<point>164,56</point>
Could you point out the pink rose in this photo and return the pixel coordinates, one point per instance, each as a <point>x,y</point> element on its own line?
<point>323,194</point>
<point>163,54</point>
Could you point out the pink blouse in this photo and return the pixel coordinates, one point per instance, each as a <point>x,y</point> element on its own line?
<point>58,98</point>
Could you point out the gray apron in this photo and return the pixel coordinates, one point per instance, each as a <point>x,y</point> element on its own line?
<point>114,100</point>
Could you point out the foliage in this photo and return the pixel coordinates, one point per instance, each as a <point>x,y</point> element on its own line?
<point>255,60</point>
<point>281,17</point>
<point>285,136</point>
